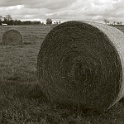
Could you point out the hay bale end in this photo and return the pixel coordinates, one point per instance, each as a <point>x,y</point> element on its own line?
<point>12,37</point>
<point>82,63</point>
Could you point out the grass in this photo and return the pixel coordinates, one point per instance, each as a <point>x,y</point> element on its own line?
<point>22,101</point>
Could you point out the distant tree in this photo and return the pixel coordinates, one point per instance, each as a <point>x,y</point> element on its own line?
<point>5,20</point>
<point>17,22</point>
<point>114,22</point>
<point>119,23</point>
<point>49,21</point>
<point>59,22</point>
<point>8,17</point>
<point>106,21</point>
<point>36,22</point>
<point>11,22</point>
<point>0,21</point>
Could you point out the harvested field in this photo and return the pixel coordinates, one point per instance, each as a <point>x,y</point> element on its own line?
<point>29,33</point>
<point>21,99</point>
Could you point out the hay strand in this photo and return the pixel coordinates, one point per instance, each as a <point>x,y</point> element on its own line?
<point>82,63</point>
<point>12,37</point>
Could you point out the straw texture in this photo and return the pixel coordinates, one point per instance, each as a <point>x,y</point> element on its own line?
<point>12,37</point>
<point>82,63</point>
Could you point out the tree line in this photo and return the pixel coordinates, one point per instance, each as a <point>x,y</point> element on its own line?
<point>9,21</point>
<point>19,22</point>
<point>112,23</point>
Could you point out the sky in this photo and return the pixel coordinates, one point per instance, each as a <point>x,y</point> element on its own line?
<point>63,10</point>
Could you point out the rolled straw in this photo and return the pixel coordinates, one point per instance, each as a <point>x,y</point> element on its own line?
<point>82,63</point>
<point>12,37</point>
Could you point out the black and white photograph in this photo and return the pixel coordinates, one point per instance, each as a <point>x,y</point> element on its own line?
<point>61,62</point>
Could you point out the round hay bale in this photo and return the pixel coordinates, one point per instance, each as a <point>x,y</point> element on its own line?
<point>82,63</point>
<point>12,37</point>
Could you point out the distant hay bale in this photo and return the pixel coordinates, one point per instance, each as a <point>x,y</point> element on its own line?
<point>12,37</point>
<point>82,63</point>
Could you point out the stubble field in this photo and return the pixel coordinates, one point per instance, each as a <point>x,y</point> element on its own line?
<point>22,101</point>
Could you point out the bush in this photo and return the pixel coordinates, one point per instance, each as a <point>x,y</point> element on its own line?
<point>49,21</point>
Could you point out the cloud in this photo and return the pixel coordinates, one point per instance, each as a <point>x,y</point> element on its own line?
<point>49,4</point>
<point>64,9</point>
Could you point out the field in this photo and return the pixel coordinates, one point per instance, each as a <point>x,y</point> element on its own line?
<point>22,101</point>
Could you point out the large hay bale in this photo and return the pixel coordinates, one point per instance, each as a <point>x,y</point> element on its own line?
<point>12,37</point>
<point>82,63</point>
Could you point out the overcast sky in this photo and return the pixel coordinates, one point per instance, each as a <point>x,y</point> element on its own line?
<point>63,10</point>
